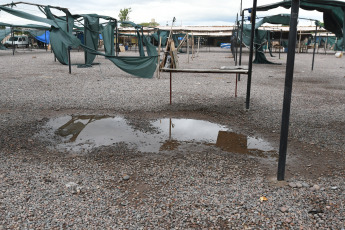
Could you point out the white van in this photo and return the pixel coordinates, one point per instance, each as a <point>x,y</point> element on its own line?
<point>18,41</point>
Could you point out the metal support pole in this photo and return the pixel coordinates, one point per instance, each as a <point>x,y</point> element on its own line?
<point>69,60</point>
<point>188,48</point>
<point>45,39</point>
<point>240,61</point>
<point>170,87</point>
<point>13,48</point>
<point>68,48</point>
<point>116,39</point>
<point>312,65</point>
<point>250,64</point>
<point>280,41</point>
<point>236,86</point>
<point>142,37</point>
<point>236,53</point>
<point>288,89</point>
<point>326,44</point>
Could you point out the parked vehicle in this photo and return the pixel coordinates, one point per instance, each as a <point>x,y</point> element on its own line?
<point>18,41</point>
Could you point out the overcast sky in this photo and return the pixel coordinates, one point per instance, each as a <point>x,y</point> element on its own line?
<point>187,12</point>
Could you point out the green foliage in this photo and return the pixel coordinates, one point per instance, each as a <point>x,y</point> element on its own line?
<point>124,15</point>
<point>2,27</point>
<point>149,24</point>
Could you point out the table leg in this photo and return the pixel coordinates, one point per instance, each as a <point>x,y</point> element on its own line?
<point>170,87</point>
<point>236,85</point>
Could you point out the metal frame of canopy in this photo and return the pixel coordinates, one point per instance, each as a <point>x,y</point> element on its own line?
<point>234,70</point>
<point>295,5</point>
<point>66,11</point>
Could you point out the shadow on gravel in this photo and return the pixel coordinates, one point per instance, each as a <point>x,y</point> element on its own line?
<point>87,132</point>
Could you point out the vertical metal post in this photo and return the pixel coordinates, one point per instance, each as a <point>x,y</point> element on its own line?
<point>250,65</point>
<point>45,39</point>
<point>288,89</point>
<point>69,60</point>
<point>236,40</point>
<point>280,41</point>
<point>326,43</point>
<point>240,61</point>
<point>344,30</point>
<point>68,48</point>
<point>170,87</point>
<point>116,39</point>
<point>13,48</point>
<point>188,48</point>
<point>142,38</point>
<point>312,65</point>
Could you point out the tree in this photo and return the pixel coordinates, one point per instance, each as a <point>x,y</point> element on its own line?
<point>123,15</point>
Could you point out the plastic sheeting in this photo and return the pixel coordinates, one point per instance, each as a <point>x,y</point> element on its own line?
<point>44,37</point>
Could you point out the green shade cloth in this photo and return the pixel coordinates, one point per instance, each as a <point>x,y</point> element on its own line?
<point>333,12</point>
<point>143,67</point>
<point>150,49</point>
<point>31,26</point>
<point>25,15</point>
<point>261,37</point>
<point>164,34</point>
<point>91,36</point>
<point>61,39</point>
<point>283,19</point>
<point>108,38</point>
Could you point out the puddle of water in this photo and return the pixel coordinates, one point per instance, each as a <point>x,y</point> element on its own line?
<point>83,133</point>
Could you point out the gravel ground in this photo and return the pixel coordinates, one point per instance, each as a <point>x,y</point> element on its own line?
<point>191,187</point>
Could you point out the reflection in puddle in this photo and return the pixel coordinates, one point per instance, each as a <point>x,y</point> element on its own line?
<point>78,133</point>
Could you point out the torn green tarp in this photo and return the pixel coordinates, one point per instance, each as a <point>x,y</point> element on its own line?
<point>25,15</point>
<point>139,66</point>
<point>164,34</point>
<point>283,19</point>
<point>30,26</point>
<point>143,67</point>
<point>91,36</point>
<point>150,49</point>
<point>261,37</point>
<point>108,38</point>
<point>333,12</point>
<point>60,41</point>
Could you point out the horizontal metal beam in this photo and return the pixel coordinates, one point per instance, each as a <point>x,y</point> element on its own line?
<point>242,71</point>
<point>34,4</point>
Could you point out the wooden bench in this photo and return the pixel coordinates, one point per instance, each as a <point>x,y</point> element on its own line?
<point>224,70</point>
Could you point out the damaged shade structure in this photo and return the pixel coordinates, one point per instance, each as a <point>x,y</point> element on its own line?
<point>334,20</point>
<point>62,40</point>
<point>262,37</point>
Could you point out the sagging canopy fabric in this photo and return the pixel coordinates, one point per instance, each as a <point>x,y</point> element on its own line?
<point>62,38</point>
<point>164,34</point>
<point>333,12</point>
<point>30,26</point>
<point>283,19</point>
<point>142,40</point>
<point>261,37</point>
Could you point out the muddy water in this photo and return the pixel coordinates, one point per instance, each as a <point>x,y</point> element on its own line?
<point>83,133</point>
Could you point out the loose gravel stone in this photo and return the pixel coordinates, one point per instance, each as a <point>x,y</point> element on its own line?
<point>191,186</point>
